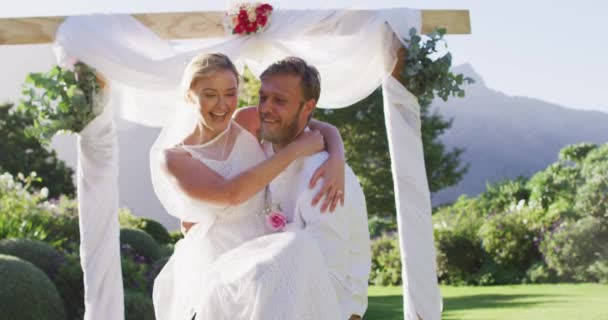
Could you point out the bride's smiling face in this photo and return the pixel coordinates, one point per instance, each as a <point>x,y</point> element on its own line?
<point>216,97</point>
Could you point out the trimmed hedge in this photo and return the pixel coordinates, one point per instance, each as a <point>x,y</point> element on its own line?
<point>156,230</point>
<point>141,242</point>
<point>39,253</point>
<point>138,306</point>
<point>26,293</point>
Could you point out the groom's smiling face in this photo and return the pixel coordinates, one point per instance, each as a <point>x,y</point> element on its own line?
<point>283,111</point>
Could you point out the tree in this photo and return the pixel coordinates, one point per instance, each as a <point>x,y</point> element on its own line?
<point>363,129</point>
<point>22,153</point>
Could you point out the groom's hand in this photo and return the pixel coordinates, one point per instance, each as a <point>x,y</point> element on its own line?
<point>332,172</point>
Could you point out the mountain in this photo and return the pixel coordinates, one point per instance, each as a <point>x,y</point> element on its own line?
<point>507,136</point>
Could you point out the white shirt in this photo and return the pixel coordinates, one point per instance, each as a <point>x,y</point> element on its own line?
<point>342,235</point>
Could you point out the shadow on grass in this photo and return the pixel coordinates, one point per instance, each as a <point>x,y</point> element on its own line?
<point>391,307</point>
<point>385,308</point>
<point>489,301</point>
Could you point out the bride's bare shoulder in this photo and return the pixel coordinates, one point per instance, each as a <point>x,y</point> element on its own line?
<point>248,118</point>
<point>173,157</point>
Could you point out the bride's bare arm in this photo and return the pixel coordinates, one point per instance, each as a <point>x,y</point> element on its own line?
<point>200,182</point>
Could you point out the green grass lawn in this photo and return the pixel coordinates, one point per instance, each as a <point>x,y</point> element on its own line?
<point>535,302</point>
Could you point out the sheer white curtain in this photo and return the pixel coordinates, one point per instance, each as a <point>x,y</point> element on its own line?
<point>354,52</point>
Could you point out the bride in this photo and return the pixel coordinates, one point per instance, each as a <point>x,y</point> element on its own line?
<point>214,178</point>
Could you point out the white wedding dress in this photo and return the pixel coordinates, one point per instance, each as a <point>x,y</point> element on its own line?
<point>255,274</point>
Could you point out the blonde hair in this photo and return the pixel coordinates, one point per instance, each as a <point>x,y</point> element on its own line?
<point>204,65</point>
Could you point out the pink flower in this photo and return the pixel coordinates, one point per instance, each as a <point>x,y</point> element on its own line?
<point>276,221</point>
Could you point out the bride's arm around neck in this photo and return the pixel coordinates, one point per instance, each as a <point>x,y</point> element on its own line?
<point>192,177</point>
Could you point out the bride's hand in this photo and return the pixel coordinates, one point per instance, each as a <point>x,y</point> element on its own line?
<point>308,143</point>
<point>332,171</point>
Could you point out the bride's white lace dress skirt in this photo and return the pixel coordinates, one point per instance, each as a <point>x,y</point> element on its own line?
<point>279,276</point>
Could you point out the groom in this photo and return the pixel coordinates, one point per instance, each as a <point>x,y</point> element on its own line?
<point>288,96</point>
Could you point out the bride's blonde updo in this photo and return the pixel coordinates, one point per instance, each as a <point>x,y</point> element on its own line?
<point>205,65</point>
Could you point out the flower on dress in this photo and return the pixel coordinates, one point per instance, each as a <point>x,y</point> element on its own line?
<point>276,220</point>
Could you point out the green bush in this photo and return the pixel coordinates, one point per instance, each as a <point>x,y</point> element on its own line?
<point>380,225</point>
<point>592,196</point>
<point>40,254</point>
<point>127,219</point>
<point>58,218</point>
<point>458,256</point>
<point>176,236</point>
<point>69,283</point>
<point>155,229</point>
<point>386,261</point>
<point>557,212</point>
<point>459,251</point>
<point>599,271</point>
<point>26,292</point>
<point>540,273</point>
<point>499,196</point>
<point>55,229</point>
<point>559,180</point>
<point>576,152</point>
<point>463,208</point>
<point>598,155</point>
<point>141,242</point>
<point>552,227</point>
<point>166,250</point>
<point>138,306</point>
<point>28,214</point>
<point>134,269</point>
<point>64,232</point>
<point>508,239</point>
<point>577,250</point>
<point>492,273</point>
<point>16,203</point>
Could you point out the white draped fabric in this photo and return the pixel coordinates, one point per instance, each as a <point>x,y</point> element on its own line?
<point>402,116</point>
<point>98,206</point>
<point>354,52</point>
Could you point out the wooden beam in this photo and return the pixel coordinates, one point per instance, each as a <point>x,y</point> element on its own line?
<point>29,30</point>
<point>184,25</point>
<point>188,25</point>
<point>455,21</point>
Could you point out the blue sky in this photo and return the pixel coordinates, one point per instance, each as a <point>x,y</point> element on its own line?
<point>551,50</point>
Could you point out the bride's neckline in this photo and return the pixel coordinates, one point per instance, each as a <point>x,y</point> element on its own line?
<point>216,138</point>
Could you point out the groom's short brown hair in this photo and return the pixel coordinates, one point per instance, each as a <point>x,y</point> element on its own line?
<point>310,80</point>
